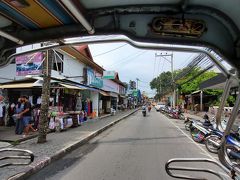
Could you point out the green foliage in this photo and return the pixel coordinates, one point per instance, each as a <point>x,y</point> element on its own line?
<point>163,84</point>
<point>193,85</point>
<point>231,100</point>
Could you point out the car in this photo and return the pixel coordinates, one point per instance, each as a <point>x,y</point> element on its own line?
<point>159,106</point>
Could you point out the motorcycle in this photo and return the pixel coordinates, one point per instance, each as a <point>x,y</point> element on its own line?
<point>144,111</point>
<point>213,141</point>
<point>198,131</point>
<point>176,114</point>
<point>149,108</point>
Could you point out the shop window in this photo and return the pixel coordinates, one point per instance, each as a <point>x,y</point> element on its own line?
<point>58,62</point>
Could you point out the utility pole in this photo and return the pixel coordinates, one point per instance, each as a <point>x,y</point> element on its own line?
<point>43,122</point>
<point>137,82</point>
<point>171,62</point>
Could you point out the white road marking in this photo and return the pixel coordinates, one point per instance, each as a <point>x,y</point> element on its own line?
<point>205,152</point>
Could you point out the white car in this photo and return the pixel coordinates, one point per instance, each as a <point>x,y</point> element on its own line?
<point>159,106</point>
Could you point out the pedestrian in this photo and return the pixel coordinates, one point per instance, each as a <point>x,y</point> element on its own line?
<point>2,111</point>
<point>26,115</point>
<point>19,123</point>
<point>11,112</point>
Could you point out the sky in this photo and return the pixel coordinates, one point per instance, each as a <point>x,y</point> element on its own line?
<point>132,63</point>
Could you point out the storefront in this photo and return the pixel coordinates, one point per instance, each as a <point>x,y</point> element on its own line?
<point>96,83</point>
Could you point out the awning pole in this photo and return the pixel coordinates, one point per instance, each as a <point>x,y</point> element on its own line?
<point>222,103</point>
<point>201,101</point>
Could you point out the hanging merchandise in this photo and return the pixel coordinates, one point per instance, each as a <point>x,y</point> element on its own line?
<point>79,103</point>
<point>69,122</point>
<point>79,120</point>
<point>39,100</point>
<point>51,125</point>
<point>86,106</point>
<point>89,108</point>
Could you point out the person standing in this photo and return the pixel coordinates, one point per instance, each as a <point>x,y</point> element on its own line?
<point>11,112</point>
<point>26,115</point>
<point>19,122</point>
<point>2,111</point>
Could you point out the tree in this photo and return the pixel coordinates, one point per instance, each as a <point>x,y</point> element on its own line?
<point>163,84</point>
<point>43,122</point>
<point>193,85</point>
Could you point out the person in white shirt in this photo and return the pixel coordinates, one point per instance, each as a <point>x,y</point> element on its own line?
<point>2,111</point>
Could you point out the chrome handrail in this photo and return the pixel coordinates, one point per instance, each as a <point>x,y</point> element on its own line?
<point>169,168</point>
<point>25,155</point>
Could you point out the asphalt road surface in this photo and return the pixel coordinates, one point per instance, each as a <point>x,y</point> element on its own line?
<point>137,148</point>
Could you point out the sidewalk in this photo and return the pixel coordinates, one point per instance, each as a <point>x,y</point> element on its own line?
<point>7,134</point>
<point>58,144</point>
<point>199,115</point>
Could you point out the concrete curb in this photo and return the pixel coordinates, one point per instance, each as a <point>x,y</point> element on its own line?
<point>64,151</point>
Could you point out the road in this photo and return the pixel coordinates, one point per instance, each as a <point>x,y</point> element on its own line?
<point>137,148</point>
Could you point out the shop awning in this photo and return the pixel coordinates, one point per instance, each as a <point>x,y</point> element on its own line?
<point>104,93</point>
<point>18,85</point>
<point>217,82</point>
<point>112,94</point>
<point>21,85</point>
<point>71,86</point>
<point>122,96</point>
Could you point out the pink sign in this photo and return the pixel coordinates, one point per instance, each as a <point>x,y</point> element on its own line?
<point>29,64</point>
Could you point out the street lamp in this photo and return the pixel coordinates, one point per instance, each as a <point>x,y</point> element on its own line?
<point>171,62</point>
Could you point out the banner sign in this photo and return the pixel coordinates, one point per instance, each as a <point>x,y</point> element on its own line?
<point>109,74</point>
<point>93,80</point>
<point>29,64</point>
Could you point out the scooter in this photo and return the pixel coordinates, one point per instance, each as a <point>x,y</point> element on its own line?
<point>149,108</point>
<point>198,131</point>
<point>144,111</point>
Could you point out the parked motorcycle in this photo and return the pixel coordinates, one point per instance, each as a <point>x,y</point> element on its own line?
<point>213,141</point>
<point>176,114</point>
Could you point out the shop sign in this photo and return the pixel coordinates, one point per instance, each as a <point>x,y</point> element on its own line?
<point>29,64</point>
<point>109,74</point>
<point>92,80</point>
<point>109,85</point>
<point>135,93</point>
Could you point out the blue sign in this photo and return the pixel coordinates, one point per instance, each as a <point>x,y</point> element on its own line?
<point>92,80</point>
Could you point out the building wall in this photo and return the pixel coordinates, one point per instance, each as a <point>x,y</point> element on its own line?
<point>73,67</point>
<point>109,85</point>
<point>95,101</point>
<point>9,72</point>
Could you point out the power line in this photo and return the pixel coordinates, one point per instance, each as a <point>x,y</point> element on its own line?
<point>133,58</point>
<point>123,60</point>
<point>110,50</point>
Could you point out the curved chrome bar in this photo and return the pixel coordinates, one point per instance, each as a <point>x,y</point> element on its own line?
<point>169,168</point>
<point>25,155</point>
<point>149,45</point>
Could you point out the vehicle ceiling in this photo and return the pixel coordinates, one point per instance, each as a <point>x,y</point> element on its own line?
<point>43,20</point>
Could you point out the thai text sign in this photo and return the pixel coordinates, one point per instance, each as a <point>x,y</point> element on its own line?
<point>29,64</point>
<point>109,74</point>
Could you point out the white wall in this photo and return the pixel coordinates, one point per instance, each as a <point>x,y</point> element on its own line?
<point>72,67</point>
<point>95,100</point>
<point>9,72</point>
